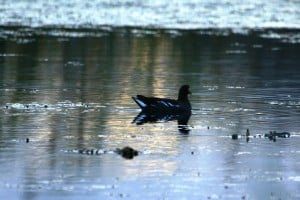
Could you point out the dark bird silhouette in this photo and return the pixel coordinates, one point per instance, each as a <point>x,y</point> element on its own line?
<point>165,105</point>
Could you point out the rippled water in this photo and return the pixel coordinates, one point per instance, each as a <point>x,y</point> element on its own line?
<point>183,14</point>
<point>62,92</point>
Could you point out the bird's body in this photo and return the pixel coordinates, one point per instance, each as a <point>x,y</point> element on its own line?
<point>165,105</point>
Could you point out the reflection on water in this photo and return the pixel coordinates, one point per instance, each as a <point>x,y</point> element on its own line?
<point>66,93</point>
<point>182,119</point>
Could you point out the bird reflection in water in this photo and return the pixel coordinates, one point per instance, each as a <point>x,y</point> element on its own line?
<point>182,119</point>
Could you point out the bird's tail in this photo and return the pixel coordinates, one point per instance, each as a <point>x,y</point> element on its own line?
<point>139,102</point>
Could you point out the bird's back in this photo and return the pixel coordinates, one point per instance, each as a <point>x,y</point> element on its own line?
<point>153,104</point>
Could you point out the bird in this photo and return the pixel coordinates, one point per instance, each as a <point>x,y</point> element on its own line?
<point>164,105</point>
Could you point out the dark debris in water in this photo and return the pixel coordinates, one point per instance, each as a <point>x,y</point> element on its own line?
<point>280,134</point>
<point>126,152</point>
<point>272,135</point>
<point>91,151</point>
<point>234,136</point>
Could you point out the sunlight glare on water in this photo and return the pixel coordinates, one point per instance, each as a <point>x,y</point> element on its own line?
<point>182,14</point>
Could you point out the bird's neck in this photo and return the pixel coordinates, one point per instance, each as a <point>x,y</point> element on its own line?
<point>182,97</point>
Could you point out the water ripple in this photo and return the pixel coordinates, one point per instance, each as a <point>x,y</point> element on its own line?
<point>163,14</point>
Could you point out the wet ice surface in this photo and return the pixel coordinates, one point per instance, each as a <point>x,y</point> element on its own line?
<point>66,92</point>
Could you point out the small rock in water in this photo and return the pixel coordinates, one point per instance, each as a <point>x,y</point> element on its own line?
<point>27,140</point>
<point>234,136</point>
<point>127,152</point>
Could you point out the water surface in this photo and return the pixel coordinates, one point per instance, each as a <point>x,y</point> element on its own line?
<point>69,89</point>
<point>182,14</point>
